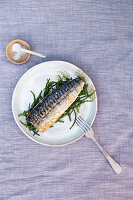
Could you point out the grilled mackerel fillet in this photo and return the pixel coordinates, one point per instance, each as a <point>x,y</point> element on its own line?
<point>51,107</point>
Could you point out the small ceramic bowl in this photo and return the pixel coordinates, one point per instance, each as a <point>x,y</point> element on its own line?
<point>10,54</point>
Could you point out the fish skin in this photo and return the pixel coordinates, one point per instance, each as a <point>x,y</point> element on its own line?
<point>51,107</point>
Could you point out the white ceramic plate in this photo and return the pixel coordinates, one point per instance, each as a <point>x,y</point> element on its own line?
<point>35,79</point>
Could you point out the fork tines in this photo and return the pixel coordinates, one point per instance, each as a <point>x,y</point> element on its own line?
<point>82,124</point>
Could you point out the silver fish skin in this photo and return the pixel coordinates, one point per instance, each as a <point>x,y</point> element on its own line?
<point>51,107</point>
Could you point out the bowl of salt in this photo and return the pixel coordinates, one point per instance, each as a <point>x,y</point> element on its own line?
<point>14,53</point>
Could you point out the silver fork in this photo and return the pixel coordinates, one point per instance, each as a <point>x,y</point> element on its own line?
<point>89,133</point>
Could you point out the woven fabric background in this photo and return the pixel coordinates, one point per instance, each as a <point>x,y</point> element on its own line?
<point>97,36</point>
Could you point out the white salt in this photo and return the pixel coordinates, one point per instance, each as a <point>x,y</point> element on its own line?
<point>17,48</point>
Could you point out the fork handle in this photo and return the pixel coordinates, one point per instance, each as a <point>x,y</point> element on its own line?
<point>116,167</point>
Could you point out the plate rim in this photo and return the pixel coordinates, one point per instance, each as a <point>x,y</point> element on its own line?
<point>13,96</point>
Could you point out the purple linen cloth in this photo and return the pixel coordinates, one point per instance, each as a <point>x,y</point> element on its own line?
<point>97,36</point>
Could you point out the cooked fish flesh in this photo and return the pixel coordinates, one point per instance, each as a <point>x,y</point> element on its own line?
<point>51,107</point>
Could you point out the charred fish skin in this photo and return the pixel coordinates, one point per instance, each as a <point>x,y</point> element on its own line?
<point>45,105</point>
<point>50,103</point>
<point>41,109</point>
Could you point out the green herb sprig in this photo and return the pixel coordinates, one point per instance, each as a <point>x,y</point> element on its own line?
<point>83,97</point>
